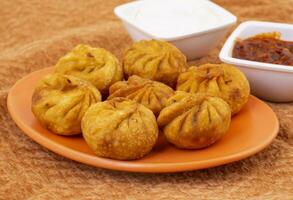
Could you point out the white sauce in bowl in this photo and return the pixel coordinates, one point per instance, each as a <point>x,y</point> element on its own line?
<point>172,18</point>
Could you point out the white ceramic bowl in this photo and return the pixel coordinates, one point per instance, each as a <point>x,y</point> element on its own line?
<point>194,44</point>
<point>268,81</point>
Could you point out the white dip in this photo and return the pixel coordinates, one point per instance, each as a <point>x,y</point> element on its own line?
<point>173,18</point>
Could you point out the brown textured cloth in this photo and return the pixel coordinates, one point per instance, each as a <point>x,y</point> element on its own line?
<point>34,34</point>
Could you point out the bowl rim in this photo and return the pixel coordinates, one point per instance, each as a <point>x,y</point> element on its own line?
<point>230,20</point>
<point>225,53</point>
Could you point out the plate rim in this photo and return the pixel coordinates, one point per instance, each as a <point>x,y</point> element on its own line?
<point>126,165</point>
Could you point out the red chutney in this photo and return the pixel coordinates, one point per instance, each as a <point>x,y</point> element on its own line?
<point>266,47</point>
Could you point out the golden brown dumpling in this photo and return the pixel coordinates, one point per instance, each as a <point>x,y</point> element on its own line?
<point>194,121</point>
<point>120,129</point>
<point>155,60</point>
<point>151,94</point>
<point>60,101</point>
<point>96,65</point>
<point>221,80</point>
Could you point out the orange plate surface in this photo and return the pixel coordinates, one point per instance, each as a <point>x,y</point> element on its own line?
<point>251,130</point>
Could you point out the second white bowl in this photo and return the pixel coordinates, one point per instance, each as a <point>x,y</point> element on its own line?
<point>268,81</point>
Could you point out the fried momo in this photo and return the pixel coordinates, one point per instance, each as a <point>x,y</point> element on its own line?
<point>194,121</point>
<point>155,60</point>
<point>120,129</point>
<point>151,94</point>
<point>96,65</point>
<point>60,101</point>
<point>221,80</point>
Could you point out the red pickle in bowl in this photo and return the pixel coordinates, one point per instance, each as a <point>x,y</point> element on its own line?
<point>266,47</point>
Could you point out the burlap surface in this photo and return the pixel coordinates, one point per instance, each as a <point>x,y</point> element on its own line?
<point>34,34</point>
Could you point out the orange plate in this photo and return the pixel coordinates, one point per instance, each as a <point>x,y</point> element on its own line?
<point>251,131</point>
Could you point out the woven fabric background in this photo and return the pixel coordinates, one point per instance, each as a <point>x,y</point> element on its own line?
<point>34,34</point>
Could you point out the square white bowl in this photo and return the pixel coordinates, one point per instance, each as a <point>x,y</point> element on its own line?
<point>271,82</point>
<point>194,44</point>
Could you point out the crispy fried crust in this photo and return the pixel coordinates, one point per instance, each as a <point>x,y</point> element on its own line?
<point>96,65</point>
<point>155,60</point>
<point>120,129</point>
<point>151,94</point>
<point>60,101</point>
<point>193,121</point>
<point>222,80</point>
